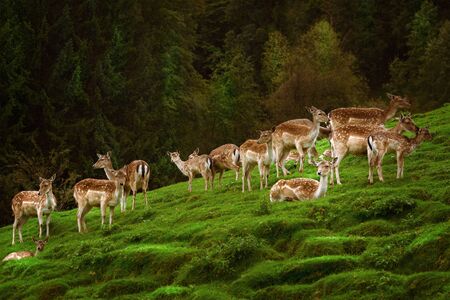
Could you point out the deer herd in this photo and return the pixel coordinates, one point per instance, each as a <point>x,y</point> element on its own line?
<point>358,131</point>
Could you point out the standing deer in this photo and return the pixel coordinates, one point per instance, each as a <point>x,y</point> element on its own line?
<point>365,116</point>
<point>256,152</point>
<point>138,174</point>
<point>353,139</point>
<point>380,143</point>
<point>24,254</point>
<point>27,204</point>
<point>294,135</point>
<point>303,188</point>
<point>101,193</point>
<point>225,157</point>
<point>196,164</point>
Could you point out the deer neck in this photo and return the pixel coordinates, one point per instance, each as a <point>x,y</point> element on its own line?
<point>398,129</point>
<point>270,151</point>
<point>107,169</point>
<point>181,166</point>
<point>323,186</point>
<point>119,192</point>
<point>35,253</point>
<point>389,112</point>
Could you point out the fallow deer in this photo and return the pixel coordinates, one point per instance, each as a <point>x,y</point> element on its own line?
<point>353,138</point>
<point>380,143</point>
<point>24,254</point>
<point>196,164</point>
<point>89,193</point>
<point>256,153</point>
<point>27,204</point>
<point>365,116</point>
<point>225,157</point>
<point>303,188</point>
<point>289,135</point>
<point>138,175</point>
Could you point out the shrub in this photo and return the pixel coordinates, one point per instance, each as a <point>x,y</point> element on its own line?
<point>265,207</point>
<point>386,206</point>
<point>116,287</point>
<point>373,228</point>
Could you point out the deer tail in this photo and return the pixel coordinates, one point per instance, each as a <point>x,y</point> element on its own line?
<point>236,156</point>
<point>371,144</point>
<point>142,170</point>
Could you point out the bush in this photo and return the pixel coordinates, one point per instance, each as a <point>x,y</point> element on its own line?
<point>385,206</point>
<point>49,289</point>
<point>429,285</point>
<point>116,287</point>
<point>318,246</point>
<point>373,228</point>
<point>265,207</point>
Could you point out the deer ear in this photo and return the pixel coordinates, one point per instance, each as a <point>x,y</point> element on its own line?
<point>32,238</point>
<point>273,128</point>
<point>46,240</point>
<point>390,96</point>
<point>168,153</point>
<point>41,179</point>
<point>53,177</point>
<point>109,153</point>
<point>99,155</point>
<point>308,109</point>
<point>334,160</point>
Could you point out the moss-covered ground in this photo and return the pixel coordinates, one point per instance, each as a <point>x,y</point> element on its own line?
<point>383,241</point>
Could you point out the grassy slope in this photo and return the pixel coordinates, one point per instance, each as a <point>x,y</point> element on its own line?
<point>387,241</point>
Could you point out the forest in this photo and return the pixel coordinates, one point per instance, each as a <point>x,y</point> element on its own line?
<point>140,78</point>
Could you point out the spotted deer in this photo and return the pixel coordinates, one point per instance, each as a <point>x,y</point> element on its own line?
<point>138,175</point>
<point>89,193</point>
<point>365,116</point>
<point>225,157</point>
<point>353,139</point>
<point>256,153</point>
<point>380,143</point>
<point>294,135</point>
<point>24,254</point>
<point>196,164</point>
<point>27,204</point>
<point>303,188</point>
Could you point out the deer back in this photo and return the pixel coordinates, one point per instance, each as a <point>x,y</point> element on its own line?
<point>93,191</point>
<point>137,170</point>
<point>26,203</point>
<point>251,151</point>
<point>223,156</point>
<point>18,255</point>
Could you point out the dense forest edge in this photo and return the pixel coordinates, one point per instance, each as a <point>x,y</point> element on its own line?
<point>388,240</point>
<point>141,78</point>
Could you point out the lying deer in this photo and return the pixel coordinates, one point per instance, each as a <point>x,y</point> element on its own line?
<point>303,188</point>
<point>256,153</point>
<point>138,175</point>
<point>353,138</point>
<point>24,254</point>
<point>225,157</point>
<point>196,164</point>
<point>365,116</point>
<point>295,135</point>
<point>27,204</point>
<point>89,193</point>
<point>380,143</point>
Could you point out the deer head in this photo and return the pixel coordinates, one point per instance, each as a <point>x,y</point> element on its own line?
<point>324,167</point>
<point>174,156</point>
<point>317,114</point>
<point>265,136</point>
<point>399,102</point>
<point>119,176</point>
<point>194,154</point>
<point>45,185</point>
<point>104,161</point>
<point>40,243</point>
<point>407,123</point>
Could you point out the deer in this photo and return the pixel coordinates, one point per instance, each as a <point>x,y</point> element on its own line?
<point>24,254</point>
<point>27,204</point>
<point>365,116</point>
<point>90,192</point>
<point>303,188</point>
<point>353,138</point>
<point>225,157</point>
<point>380,143</point>
<point>196,164</point>
<point>294,135</point>
<point>257,152</point>
<point>138,175</point>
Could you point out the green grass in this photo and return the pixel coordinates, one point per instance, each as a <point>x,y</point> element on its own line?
<point>385,241</point>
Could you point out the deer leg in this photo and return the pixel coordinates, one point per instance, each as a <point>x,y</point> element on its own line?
<point>133,206</point>
<point>144,190</point>
<point>190,182</point>
<point>301,155</point>
<point>83,218</point>
<point>277,160</point>
<point>40,221</point>
<point>244,166</point>
<point>266,175</point>
<point>283,163</point>
<point>312,152</point>
<point>369,161</point>
<point>48,225</point>
<point>338,163</point>
<point>237,175</point>
<point>379,161</point>
<point>400,161</point>
<point>79,214</point>
<point>22,221</point>
<point>16,220</point>
<point>261,174</point>
<point>220,178</point>
<point>111,215</point>
<point>248,176</point>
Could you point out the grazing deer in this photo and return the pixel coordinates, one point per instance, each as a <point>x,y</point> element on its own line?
<point>24,254</point>
<point>138,174</point>
<point>380,143</point>
<point>294,135</point>
<point>27,204</point>
<point>353,138</point>
<point>196,164</point>
<point>256,152</point>
<point>225,157</point>
<point>303,188</point>
<point>364,116</point>
<point>89,193</point>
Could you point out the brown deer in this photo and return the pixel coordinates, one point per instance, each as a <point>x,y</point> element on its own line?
<point>380,143</point>
<point>89,193</point>
<point>27,204</point>
<point>138,175</point>
<point>225,157</point>
<point>24,254</point>
<point>303,188</point>
<point>196,164</point>
<point>294,135</point>
<point>353,139</point>
<point>256,153</point>
<point>365,116</point>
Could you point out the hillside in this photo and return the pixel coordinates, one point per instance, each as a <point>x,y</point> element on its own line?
<point>386,241</point>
